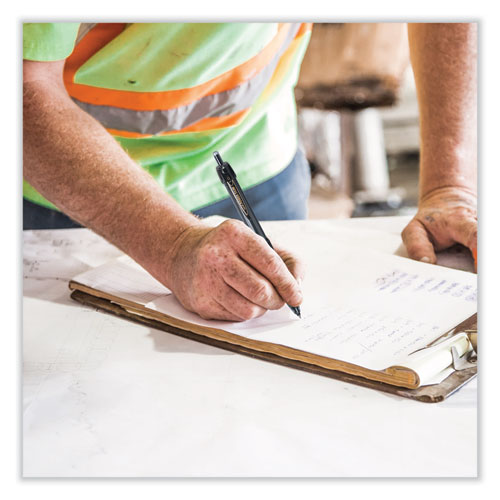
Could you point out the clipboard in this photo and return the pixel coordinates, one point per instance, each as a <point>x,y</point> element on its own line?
<point>426,394</point>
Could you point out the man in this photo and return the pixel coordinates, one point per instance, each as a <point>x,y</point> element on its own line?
<point>170,94</point>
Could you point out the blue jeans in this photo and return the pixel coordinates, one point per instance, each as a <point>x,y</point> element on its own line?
<point>282,197</point>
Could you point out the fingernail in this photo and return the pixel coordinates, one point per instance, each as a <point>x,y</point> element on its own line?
<point>299,281</point>
<point>425,259</point>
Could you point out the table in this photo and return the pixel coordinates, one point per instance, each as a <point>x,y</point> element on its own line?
<point>195,410</point>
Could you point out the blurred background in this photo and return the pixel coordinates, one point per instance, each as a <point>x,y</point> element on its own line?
<point>358,120</point>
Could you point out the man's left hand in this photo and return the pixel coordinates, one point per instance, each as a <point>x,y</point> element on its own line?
<point>445,216</point>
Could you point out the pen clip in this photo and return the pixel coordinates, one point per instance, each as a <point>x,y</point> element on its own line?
<point>228,177</point>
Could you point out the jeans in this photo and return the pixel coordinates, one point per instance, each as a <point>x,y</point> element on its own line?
<point>282,197</point>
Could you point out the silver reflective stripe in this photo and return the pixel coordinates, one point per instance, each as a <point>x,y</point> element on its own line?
<point>83,30</point>
<point>220,104</point>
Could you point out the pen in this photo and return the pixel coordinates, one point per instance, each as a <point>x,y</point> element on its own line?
<point>228,178</point>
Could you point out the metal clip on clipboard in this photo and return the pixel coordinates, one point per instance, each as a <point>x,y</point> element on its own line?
<point>468,360</point>
<point>459,363</point>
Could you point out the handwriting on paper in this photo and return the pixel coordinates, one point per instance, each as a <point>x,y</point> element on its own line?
<point>359,333</point>
<point>397,280</point>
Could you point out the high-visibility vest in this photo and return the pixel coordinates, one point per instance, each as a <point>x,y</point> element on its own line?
<point>172,93</point>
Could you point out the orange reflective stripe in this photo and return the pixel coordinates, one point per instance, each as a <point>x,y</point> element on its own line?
<point>303,29</point>
<point>99,36</point>
<point>211,123</point>
<point>150,101</point>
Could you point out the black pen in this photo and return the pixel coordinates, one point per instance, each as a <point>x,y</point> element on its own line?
<point>228,178</point>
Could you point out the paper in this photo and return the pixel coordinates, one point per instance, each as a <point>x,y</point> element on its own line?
<point>360,306</point>
<point>365,308</point>
<point>124,278</point>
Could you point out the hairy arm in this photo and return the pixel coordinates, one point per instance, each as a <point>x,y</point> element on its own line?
<point>444,58</point>
<point>73,161</point>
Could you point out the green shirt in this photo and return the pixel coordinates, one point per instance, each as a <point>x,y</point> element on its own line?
<point>250,119</point>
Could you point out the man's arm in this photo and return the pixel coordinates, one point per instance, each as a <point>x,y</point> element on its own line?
<point>443,58</point>
<point>227,272</point>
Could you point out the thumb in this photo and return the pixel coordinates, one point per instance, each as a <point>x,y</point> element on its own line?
<point>417,242</point>
<point>292,262</point>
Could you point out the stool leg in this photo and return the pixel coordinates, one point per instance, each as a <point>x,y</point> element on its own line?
<point>371,168</point>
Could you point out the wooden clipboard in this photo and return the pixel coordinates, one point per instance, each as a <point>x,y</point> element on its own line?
<point>427,394</point>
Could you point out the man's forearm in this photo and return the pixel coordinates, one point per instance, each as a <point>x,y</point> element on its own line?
<point>444,58</point>
<point>76,164</point>
<point>444,63</point>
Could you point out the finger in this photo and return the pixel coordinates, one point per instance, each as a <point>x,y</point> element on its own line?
<point>255,251</point>
<point>211,309</point>
<point>251,285</point>
<point>464,231</point>
<point>236,304</point>
<point>417,242</point>
<point>227,315</point>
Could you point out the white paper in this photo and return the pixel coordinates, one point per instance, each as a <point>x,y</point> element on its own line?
<point>360,306</point>
<point>124,278</point>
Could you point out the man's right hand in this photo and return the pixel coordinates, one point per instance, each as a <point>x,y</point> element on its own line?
<point>230,273</point>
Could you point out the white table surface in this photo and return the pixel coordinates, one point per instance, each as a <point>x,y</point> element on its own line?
<point>194,410</point>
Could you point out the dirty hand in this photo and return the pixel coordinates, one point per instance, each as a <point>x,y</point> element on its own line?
<point>445,216</point>
<point>230,273</point>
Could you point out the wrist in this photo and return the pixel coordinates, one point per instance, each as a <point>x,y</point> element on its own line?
<point>160,240</point>
<point>447,170</point>
<point>449,195</point>
<point>182,245</point>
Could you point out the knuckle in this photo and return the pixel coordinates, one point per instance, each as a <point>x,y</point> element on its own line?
<point>246,315</point>
<point>410,230</point>
<point>406,232</point>
<point>231,227</point>
<point>276,266</point>
<point>261,292</point>
<point>250,311</point>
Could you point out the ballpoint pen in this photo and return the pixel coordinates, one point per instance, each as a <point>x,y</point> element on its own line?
<point>228,178</point>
